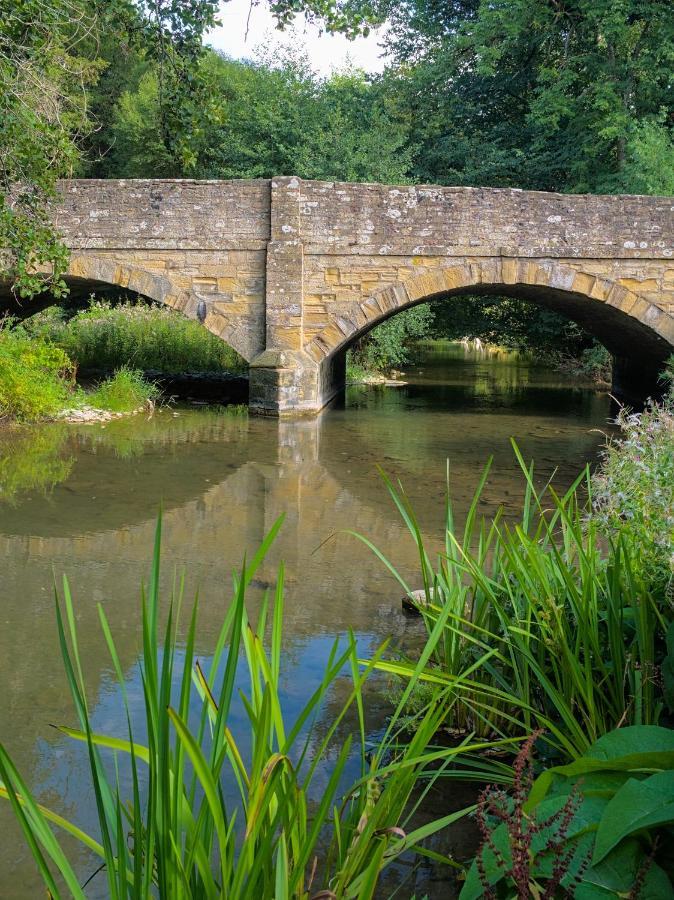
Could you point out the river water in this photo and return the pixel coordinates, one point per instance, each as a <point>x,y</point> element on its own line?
<point>83,500</point>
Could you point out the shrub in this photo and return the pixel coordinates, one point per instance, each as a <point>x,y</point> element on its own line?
<point>124,391</point>
<point>140,335</point>
<point>593,363</point>
<point>633,492</point>
<point>36,378</point>
<point>389,344</point>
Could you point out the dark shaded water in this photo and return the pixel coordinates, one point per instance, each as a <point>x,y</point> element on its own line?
<point>83,500</point>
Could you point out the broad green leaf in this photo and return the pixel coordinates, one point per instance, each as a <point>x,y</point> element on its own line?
<point>616,874</point>
<point>637,805</point>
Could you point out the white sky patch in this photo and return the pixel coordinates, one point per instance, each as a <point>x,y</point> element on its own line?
<point>326,52</point>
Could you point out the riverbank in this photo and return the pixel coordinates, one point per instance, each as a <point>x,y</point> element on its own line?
<point>591,370</point>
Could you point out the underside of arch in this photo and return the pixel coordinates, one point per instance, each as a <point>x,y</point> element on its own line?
<point>627,324</point>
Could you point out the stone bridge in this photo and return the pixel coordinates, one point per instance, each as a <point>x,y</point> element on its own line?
<point>290,272</point>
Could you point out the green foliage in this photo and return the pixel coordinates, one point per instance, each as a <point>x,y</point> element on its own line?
<point>600,827</point>
<point>274,117</point>
<point>125,391</point>
<point>594,363</point>
<point>633,491</point>
<point>542,628</point>
<point>536,95</point>
<point>390,344</point>
<point>36,378</point>
<point>297,828</point>
<point>43,77</point>
<point>138,335</point>
<point>509,322</point>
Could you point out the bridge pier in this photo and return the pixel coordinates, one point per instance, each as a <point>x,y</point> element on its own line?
<point>289,383</point>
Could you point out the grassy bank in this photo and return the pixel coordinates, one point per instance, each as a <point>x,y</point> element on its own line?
<point>37,382</point>
<point>140,335</point>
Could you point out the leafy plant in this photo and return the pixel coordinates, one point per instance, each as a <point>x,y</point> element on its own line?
<point>598,827</point>
<point>389,344</point>
<point>634,489</point>
<point>285,836</point>
<point>36,378</point>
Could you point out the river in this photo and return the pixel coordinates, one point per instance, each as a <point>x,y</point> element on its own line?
<point>83,500</point>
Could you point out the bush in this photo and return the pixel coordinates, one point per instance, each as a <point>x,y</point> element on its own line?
<point>388,345</point>
<point>634,490</point>
<point>139,335</point>
<point>593,363</point>
<point>36,378</point>
<point>125,391</point>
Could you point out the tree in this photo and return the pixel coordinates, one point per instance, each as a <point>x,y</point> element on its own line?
<point>49,58</point>
<point>274,118</point>
<point>548,94</point>
<point>42,114</point>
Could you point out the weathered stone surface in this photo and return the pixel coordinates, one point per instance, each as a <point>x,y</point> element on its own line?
<point>291,272</point>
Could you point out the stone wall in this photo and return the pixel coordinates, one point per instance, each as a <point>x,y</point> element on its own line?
<point>439,221</point>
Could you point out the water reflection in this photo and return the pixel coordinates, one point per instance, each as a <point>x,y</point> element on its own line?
<point>83,500</point>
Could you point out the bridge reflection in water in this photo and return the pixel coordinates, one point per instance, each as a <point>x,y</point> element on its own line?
<point>222,482</point>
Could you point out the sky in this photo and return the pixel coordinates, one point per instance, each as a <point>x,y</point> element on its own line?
<point>326,52</point>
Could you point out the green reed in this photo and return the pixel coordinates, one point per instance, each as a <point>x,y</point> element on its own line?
<point>138,334</point>
<point>546,623</point>
<point>295,831</point>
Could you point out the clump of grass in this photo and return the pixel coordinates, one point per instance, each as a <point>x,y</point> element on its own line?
<point>542,627</point>
<point>235,410</point>
<point>125,391</point>
<point>36,378</point>
<point>138,334</point>
<point>299,827</point>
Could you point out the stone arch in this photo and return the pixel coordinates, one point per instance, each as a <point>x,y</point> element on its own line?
<point>604,306</point>
<point>85,269</point>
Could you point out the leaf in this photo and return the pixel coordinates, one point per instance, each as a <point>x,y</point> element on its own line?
<point>639,741</point>
<point>616,874</point>
<point>637,747</point>
<point>102,740</point>
<point>637,805</point>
